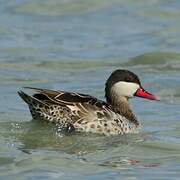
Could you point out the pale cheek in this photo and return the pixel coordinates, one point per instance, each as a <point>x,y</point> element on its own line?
<point>125,92</point>
<point>125,89</point>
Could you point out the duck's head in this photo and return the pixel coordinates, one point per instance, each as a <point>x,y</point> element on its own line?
<point>124,83</point>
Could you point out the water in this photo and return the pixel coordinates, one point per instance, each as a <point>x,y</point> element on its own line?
<point>74,45</point>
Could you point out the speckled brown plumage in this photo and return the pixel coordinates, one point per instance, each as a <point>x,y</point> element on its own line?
<point>84,113</point>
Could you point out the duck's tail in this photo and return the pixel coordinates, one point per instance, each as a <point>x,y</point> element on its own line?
<point>40,110</point>
<point>30,100</point>
<point>25,97</point>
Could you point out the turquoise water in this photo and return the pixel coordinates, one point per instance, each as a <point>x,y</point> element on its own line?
<point>74,45</point>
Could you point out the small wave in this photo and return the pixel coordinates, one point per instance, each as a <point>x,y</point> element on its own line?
<point>159,61</point>
<point>60,8</point>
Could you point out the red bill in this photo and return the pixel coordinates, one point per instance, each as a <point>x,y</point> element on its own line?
<point>144,94</point>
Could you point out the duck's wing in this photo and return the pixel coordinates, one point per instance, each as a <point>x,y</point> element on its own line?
<point>62,97</point>
<point>81,106</point>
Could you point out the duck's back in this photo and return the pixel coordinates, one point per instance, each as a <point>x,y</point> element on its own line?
<point>80,112</point>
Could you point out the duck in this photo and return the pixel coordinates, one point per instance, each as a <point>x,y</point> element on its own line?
<point>76,112</point>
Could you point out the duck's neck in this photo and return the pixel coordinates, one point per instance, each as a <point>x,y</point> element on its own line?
<point>121,106</point>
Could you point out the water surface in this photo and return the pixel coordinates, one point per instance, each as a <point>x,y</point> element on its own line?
<point>75,45</point>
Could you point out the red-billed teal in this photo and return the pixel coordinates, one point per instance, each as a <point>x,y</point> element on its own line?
<point>85,113</point>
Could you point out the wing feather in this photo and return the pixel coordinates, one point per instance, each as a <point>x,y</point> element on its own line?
<point>82,106</point>
<point>63,97</point>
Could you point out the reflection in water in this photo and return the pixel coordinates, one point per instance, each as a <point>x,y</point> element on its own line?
<point>39,134</point>
<point>125,162</point>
